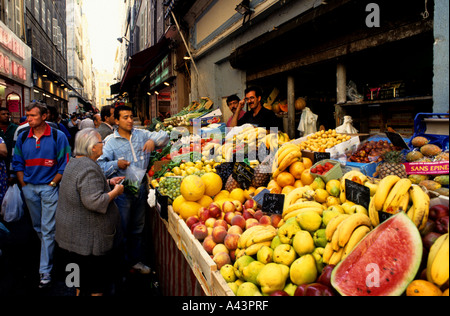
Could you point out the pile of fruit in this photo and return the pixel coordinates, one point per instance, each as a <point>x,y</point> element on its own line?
<point>323,140</point>
<point>372,151</point>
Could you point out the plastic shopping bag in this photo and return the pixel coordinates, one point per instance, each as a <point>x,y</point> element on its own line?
<point>12,205</point>
<point>133,179</point>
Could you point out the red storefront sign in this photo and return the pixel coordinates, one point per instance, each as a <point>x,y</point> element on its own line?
<point>427,168</point>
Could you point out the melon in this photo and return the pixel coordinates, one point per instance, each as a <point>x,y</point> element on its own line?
<point>430,150</point>
<point>419,141</point>
<point>383,263</point>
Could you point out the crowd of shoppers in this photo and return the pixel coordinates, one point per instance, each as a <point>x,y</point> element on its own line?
<point>70,172</point>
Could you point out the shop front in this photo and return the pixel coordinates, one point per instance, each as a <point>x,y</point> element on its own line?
<point>15,73</point>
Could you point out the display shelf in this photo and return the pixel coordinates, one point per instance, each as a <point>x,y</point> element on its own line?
<point>398,100</point>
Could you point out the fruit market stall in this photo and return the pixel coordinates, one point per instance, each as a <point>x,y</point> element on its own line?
<point>297,220</point>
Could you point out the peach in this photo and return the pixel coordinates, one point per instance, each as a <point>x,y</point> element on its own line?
<point>258,214</point>
<point>215,210</point>
<point>235,229</point>
<point>265,220</point>
<point>221,259</point>
<point>219,248</point>
<point>192,220</point>
<point>228,217</point>
<point>210,222</point>
<point>200,232</point>
<point>248,213</point>
<point>221,222</point>
<point>228,206</point>
<point>251,204</point>
<point>239,206</point>
<point>194,225</point>
<point>204,214</point>
<point>209,244</point>
<point>238,220</point>
<point>233,255</point>
<point>276,220</point>
<point>210,229</point>
<point>251,222</point>
<point>218,234</point>
<point>231,241</point>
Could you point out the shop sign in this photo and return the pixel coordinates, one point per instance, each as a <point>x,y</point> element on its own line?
<point>15,55</point>
<point>427,168</point>
<point>160,73</point>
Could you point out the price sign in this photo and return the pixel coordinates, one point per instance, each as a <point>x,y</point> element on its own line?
<point>318,156</point>
<point>357,193</point>
<point>259,198</point>
<point>243,174</point>
<point>397,140</point>
<point>273,203</point>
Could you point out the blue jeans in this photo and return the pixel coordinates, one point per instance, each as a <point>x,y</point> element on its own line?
<point>132,213</point>
<point>41,201</point>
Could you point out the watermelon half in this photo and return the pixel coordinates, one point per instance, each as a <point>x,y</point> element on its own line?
<point>383,263</point>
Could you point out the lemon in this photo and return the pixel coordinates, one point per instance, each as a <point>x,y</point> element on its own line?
<point>177,171</point>
<point>190,164</point>
<point>183,166</point>
<point>191,170</point>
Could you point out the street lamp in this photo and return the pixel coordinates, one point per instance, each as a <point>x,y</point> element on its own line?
<point>120,39</point>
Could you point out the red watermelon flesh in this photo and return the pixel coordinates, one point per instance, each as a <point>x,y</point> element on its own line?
<point>383,263</point>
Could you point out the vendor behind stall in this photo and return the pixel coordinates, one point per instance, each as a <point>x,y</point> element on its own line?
<point>233,104</point>
<point>257,115</point>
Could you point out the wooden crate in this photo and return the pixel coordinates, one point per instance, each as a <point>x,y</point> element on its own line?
<point>173,225</point>
<point>220,286</point>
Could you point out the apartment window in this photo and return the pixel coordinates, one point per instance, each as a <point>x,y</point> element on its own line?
<point>43,17</point>
<point>37,10</point>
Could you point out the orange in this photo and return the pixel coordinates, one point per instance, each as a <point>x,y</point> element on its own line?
<point>274,187</point>
<point>249,191</point>
<point>298,184</point>
<point>306,177</point>
<point>296,169</point>
<point>285,179</point>
<point>307,162</point>
<point>258,190</point>
<point>287,189</point>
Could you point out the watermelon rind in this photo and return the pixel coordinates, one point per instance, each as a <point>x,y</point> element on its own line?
<point>384,242</point>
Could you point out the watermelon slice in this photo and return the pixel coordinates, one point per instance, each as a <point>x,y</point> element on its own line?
<point>383,263</point>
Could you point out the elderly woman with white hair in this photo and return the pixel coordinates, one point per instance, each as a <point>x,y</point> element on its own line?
<point>87,218</point>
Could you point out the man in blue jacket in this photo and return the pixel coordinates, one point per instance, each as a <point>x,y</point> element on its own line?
<point>129,147</point>
<point>39,161</point>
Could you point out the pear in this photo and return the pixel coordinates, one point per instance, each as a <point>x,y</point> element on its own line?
<point>248,289</point>
<point>290,288</point>
<point>303,243</point>
<point>251,271</point>
<point>329,214</point>
<point>272,278</point>
<point>265,255</point>
<point>304,270</point>
<point>320,239</point>
<point>284,254</point>
<point>240,264</point>
<point>309,221</point>
<point>227,272</point>
<point>287,232</point>
<point>275,242</point>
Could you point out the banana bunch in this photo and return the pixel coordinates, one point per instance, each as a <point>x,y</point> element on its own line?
<point>438,261</point>
<point>355,176</point>
<point>303,206</point>
<point>343,233</point>
<point>283,138</point>
<point>271,142</point>
<point>285,156</point>
<point>301,194</point>
<point>394,195</point>
<point>254,239</point>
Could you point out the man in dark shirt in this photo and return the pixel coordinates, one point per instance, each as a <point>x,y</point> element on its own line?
<point>257,115</point>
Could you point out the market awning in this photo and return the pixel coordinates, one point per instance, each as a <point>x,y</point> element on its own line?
<point>141,63</point>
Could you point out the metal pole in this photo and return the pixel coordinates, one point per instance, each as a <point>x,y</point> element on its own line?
<point>291,106</point>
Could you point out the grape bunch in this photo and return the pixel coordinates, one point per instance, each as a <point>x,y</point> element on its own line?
<point>170,186</point>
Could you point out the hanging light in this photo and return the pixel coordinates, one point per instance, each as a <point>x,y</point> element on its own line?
<point>244,7</point>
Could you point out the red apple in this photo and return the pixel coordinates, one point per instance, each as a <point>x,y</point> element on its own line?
<point>265,220</point>
<point>251,204</point>
<point>238,220</point>
<point>228,217</point>
<point>276,219</point>
<point>191,221</point>
<point>209,244</point>
<point>300,291</point>
<point>235,229</point>
<point>279,293</point>
<point>325,276</point>
<point>429,239</point>
<point>218,234</point>
<point>200,232</point>
<point>251,222</point>
<point>215,210</point>
<point>221,259</point>
<point>228,206</point>
<point>258,214</point>
<point>221,222</point>
<point>442,224</point>
<point>194,225</point>
<point>248,213</point>
<point>204,214</point>
<point>438,211</point>
<point>231,241</point>
<point>238,205</point>
<point>318,289</point>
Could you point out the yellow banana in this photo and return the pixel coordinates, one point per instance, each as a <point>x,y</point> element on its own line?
<point>318,210</point>
<point>253,249</point>
<point>351,175</point>
<point>294,195</point>
<point>333,224</point>
<point>438,261</point>
<point>335,238</point>
<point>262,236</point>
<point>247,233</point>
<point>347,227</point>
<point>356,237</point>
<point>404,202</point>
<point>395,196</point>
<point>384,188</point>
<point>282,153</point>
<point>373,213</point>
<point>421,204</point>
<point>328,252</point>
<point>301,205</point>
<point>286,162</point>
<point>336,257</point>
